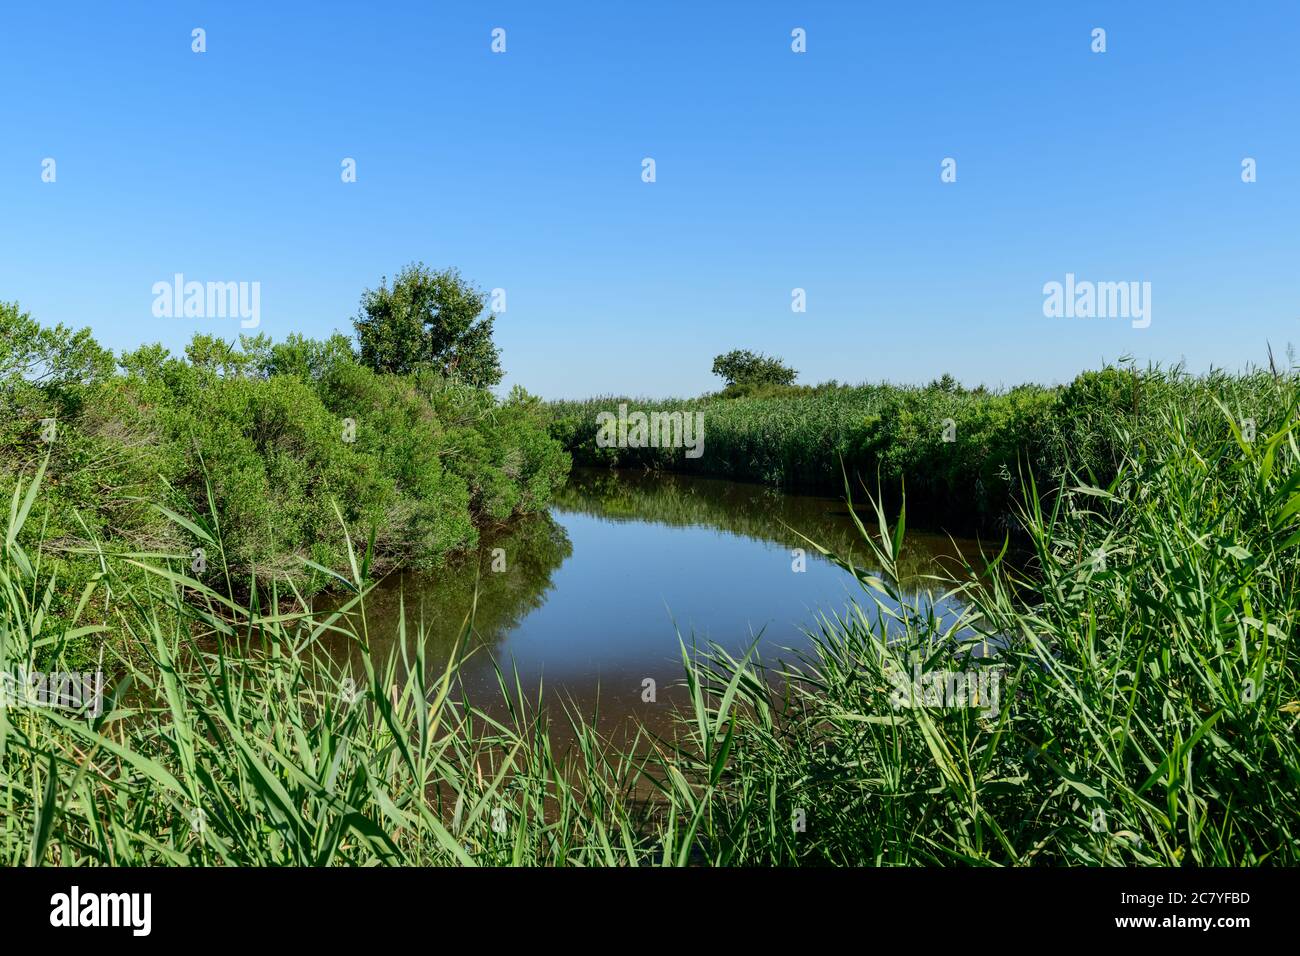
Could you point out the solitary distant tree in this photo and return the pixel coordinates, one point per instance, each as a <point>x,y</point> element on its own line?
<point>428,317</point>
<point>743,367</point>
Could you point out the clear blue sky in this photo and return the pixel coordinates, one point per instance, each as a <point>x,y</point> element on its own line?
<point>775,170</point>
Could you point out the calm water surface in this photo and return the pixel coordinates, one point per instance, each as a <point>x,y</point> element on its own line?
<point>596,592</point>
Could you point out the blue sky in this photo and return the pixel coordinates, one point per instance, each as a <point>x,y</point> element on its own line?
<point>775,170</point>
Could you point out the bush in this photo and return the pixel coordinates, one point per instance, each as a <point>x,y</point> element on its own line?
<point>263,441</point>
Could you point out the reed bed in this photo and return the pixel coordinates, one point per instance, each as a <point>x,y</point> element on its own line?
<point>962,453</point>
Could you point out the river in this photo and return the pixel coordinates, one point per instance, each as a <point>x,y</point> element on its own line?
<point>588,600</point>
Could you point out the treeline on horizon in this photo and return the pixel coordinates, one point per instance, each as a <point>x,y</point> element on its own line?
<point>964,456</point>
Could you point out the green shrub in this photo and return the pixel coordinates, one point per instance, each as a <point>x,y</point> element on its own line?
<point>262,441</point>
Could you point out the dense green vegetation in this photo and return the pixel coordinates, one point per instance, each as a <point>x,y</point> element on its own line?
<point>1148,710</point>
<point>960,453</point>
<point>269,443</point>
<point>428,319</point>
<point>742,369</point>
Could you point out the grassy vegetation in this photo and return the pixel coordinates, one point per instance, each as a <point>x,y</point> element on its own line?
<point>960,453</point>
<point>262,438</point>
<point>1148,714</point>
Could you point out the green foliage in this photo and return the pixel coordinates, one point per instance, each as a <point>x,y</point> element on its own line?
<point>428,318</point>
<point>946,384</point>
<point>33,355</point>
<point>746,368</point>
<point>1149,680</point>
<point>262,439</point>
<point>1147,705</point>
<point>960,453</point>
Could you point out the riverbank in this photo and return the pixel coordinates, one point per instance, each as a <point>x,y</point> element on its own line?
<point>963,455</point>
<point>253,462</point>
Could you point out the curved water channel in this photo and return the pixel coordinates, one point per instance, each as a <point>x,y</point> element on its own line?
<point>594,594</point>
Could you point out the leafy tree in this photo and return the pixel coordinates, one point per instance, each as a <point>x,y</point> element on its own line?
<point>48,356</point>
<point>215,354</point>
<point>428,318</point>
<point>743,367</point>
<point>308,359</point>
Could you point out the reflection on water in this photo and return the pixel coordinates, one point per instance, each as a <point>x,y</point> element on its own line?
<point>593,596</point>
<point>752,511</point>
